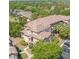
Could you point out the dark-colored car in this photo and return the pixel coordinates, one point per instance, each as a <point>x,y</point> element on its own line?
<point>66,52</point>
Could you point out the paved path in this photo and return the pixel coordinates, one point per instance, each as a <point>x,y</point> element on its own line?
<point>27,51</point>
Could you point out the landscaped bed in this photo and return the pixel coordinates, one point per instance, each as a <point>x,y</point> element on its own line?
<point>23,56</point>
<point>18,43</point>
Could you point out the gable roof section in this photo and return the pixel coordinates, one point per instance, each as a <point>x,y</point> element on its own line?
<point>12,50</point>
<point>45,22</point>
<point>41,35</point>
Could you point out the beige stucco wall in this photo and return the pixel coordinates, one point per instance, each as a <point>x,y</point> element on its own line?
<point>29,32</point>
<point>35,40</point>
<point>25,38</point>
<point>34,33</point>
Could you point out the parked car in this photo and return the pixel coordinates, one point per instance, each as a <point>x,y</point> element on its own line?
<point>66,52</point>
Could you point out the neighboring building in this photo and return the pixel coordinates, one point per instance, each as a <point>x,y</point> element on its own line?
<point>13,11</point>
<point>41,28</point>
<point>21,13</point>
<point>26,14</point>
<point>13,54</point>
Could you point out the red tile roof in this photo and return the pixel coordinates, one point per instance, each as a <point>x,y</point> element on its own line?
<point>12,50</point>
<point>42,35</point>
<point>43,23</point>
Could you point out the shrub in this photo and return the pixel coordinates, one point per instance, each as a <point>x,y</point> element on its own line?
<point>30,45</point>
<point>23,42</point>
<point>62,30</point>
<point>16,27</point>
<point>46,50</point>
<point>24,56</point>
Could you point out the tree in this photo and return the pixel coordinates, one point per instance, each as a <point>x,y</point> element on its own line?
<point>62,30</point>
<point>22,21</point>
<point>16,27</point>
<point>44,50</point>
<point>60,10</point>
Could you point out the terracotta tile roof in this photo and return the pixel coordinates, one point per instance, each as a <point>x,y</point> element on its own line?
<point>41,24</point>
<point>27,34</point>
<point>42,35</point>
<point>45,22</point>
<point>12,50</point>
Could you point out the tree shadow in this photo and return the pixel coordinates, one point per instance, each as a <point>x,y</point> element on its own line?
<point>19,55</point>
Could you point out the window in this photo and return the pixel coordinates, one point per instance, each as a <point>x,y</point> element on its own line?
<point>31,39</point>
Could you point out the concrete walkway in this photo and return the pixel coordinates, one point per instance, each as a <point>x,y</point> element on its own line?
<point>27,51</point>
